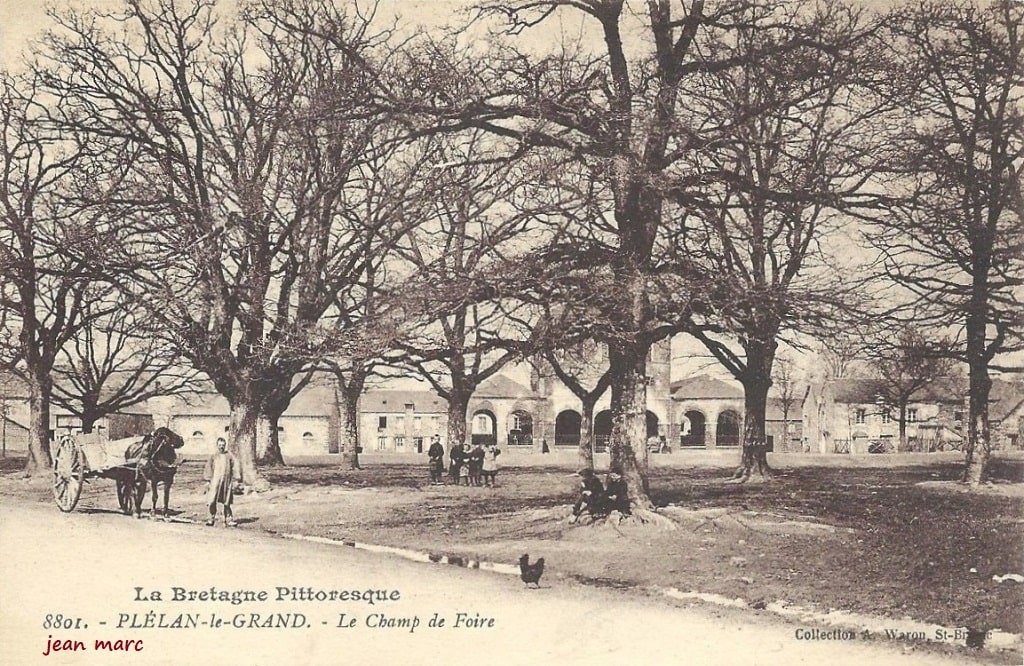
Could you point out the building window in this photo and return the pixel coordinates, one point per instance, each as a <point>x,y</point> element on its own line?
<point>417,423</point>
<point>198,434</point>
<point>886,418</point>
<point>382,443</point>
<point>400,442</point>
<point>911,416</point>
<point>382,422</point>
<point>307,439</point>
<point>399,423</point>
<point>958,415</point>
<point>435,421</point>
<point>860,416</point>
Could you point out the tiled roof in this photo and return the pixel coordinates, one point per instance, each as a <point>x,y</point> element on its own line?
<point>12,386</point>
<point>1004,397</point>
<point>424,402</point>
<point>703,386</point>
<point>500,386</point>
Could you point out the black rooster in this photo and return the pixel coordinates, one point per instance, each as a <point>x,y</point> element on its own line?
<point>531,573</point>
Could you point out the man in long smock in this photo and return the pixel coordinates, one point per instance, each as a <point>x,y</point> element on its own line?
<point>222,472</point>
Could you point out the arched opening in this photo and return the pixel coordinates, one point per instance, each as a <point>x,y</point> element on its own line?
<point>307,440</point>
<point>728,430</point>
<point>197,438</point>
<point>694,430</point>
<point>567,428</point>
<point>484,428</point>
<point>652,424</point>
<point>602,430</point>
<point>520,428</point>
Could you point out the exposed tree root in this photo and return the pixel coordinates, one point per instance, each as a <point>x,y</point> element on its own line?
<point>639,517</point>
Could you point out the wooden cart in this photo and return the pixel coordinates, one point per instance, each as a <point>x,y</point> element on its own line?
<point>80,458</point>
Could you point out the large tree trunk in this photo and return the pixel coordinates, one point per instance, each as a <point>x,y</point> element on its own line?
<point>89,418</point>
<point>458,408</point>
<point>244,416</point>
<point>628,447</point>
<point>976,452</point>
<point>902,445</point>
<point>348,427</point>
<point>586,449</point>
<point>39,461</point>
<point>268,443</point>
<point>978,447</point>
<point>756,381</point>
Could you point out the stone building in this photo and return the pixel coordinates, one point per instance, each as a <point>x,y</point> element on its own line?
<point>849,416</point>
<point>710,415</point>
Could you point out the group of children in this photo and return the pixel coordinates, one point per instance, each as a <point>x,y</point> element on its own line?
<point>475,467</point>
<point>600,499</point>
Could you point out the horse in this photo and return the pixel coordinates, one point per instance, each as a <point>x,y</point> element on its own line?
<point>157,462</point>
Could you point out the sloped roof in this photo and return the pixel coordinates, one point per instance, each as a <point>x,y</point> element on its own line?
<point>704,387</point>
<point>12,386</point>
<point>501,386</point>
<point>384,400</point>
<point>1004,397</point>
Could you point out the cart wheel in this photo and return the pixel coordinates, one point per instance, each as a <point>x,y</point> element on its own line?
<point>125,495</point>
<point>68,473</point>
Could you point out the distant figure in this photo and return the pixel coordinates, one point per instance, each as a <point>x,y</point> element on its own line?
<point>491,465</point>
<point>591,496</point>
<point>662,444</point>
<point>616,498</point>
<point>436,457</point>
<point>544,445</point>
<point>457,457</point>
<point>476,465</point>
<point>222,471</point>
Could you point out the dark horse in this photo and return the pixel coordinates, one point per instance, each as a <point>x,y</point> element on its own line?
<point>157,462</point>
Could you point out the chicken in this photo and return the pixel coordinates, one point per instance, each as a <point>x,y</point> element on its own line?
<point>531,573</point>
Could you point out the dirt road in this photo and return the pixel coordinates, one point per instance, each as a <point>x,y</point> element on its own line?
<point>88,566</point>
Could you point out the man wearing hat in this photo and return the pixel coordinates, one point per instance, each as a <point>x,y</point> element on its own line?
<point>616,495</point>
<point>591,495</point>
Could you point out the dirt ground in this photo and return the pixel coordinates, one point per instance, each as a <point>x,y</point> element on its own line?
<point>891,542</point>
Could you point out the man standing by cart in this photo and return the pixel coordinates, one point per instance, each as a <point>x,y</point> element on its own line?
<point>222,472</point>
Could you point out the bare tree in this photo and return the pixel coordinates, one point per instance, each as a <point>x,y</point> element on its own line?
<point>906,364</point>
<point>477,224</point>
<point>115,362</point>
<point>43,287</point>
<point>787,387</point>
<point>839,355</point>
<point>956,245</point>
<point>580,366</point>
<point>792,157</point>
<point>617,113</point>
<point>235,229</point>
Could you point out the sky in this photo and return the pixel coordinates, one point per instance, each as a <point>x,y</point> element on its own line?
<point>22,20</point>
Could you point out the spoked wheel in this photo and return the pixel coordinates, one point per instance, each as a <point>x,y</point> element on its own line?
<point>125,494</point>
<point>68,473</point>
